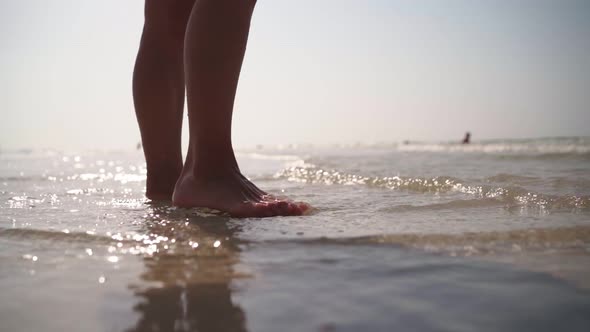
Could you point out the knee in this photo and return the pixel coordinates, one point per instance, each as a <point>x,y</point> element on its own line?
<point>167,19</point>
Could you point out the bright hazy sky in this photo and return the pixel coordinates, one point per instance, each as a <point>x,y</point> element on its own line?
<point>325,71</point>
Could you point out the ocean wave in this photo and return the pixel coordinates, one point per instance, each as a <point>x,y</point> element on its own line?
<point>480,243</point>
<point>165,237</point>
<point>512,195</point>
<point>503,177</point>
<point>505,149</point>
<point>31,234</point>
<point>548,147</point>
<point>261,156</point>
<point>20,178</point>
<point>452,205</point>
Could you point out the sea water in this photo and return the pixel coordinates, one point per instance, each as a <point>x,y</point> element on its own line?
<point>408,237</point>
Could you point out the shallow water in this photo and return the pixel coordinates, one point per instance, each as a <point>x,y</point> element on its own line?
<point>420,236</point>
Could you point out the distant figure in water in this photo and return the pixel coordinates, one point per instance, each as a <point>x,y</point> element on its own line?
<point>198,45</point>
<point>467,138</point>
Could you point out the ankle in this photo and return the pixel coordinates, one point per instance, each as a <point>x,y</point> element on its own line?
<point>212,171</point>
<point>161,180</point>
<point>211,163</point>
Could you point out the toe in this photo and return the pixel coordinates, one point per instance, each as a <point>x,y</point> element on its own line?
<point>283,208</point>
<point>302,207</point>
<point>276,208</point>
<point>293,210</point>
<point>263,209</point>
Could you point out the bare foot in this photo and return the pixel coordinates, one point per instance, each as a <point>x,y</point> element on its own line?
<point>231,193</point>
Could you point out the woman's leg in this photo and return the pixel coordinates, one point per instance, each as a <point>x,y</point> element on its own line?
<point>215,44</point>
<point>158,92</point>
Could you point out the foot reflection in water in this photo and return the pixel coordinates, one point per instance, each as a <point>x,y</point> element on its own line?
<point>189,277</point>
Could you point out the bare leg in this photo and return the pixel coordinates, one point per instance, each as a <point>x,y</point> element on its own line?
<point>158,92</point>
<point>215,44</point>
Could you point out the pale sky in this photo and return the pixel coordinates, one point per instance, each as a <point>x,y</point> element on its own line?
<point>316,71</point>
